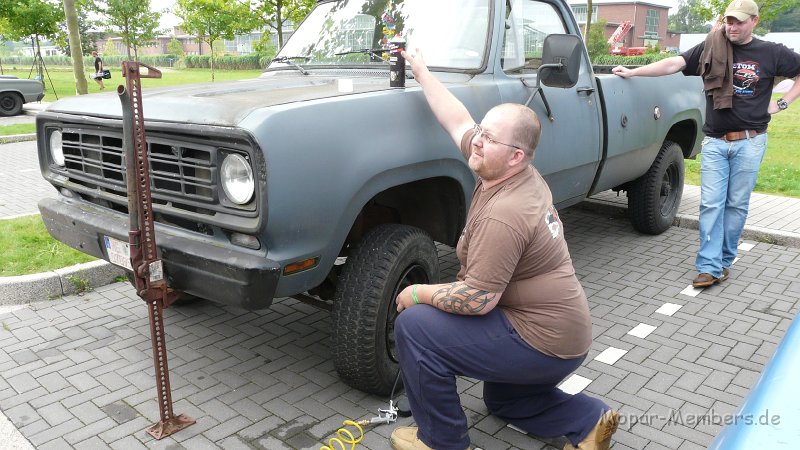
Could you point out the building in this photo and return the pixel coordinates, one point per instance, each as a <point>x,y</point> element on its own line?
<point>648,21</point>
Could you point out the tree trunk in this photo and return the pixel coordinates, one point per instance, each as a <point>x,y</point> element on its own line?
<point>39,62</point>
<point>211,44</point>
<point>76,50</point>
<point>279,25</point>
<point>588,20</point>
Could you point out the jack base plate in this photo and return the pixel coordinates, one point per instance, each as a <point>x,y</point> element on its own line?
<point>161,429</point>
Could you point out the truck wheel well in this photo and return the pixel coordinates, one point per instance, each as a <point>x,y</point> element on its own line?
<point>683,133</point>
<point>436,205</point>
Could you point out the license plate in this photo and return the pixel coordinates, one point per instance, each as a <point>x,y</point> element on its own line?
<point>119,252</point>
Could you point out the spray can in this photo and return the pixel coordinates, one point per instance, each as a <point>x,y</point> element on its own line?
<point>397,64</point>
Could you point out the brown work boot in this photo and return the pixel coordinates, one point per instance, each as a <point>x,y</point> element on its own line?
<point>405,438</point>
<point>724,276</point>
<point>705,280</point>
<point>600,436</point>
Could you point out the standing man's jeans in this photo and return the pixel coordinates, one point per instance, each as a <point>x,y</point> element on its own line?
<point>728,172</point>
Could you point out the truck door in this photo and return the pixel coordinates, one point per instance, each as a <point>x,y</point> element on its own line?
<point>571,144</point>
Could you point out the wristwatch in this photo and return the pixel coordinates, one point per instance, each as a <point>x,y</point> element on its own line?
<point>782,104</point>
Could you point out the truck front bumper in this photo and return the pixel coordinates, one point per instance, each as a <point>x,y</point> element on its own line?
<point>222,274</point>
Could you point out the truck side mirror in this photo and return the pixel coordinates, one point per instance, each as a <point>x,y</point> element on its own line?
<point>561,60</point>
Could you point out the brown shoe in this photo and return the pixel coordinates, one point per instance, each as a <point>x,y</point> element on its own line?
<point>600,436</point>
<point>405,438</point>
<point>724,276</point>
<point>705,280</point>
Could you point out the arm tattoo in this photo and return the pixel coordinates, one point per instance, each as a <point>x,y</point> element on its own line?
<point>458,298</point>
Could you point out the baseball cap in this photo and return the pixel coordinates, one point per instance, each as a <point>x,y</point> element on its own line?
<point>742,9</point>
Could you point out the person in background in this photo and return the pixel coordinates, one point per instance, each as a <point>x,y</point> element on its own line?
<point>517,317</point>
<point>738,72</point>
<point>98,70</point>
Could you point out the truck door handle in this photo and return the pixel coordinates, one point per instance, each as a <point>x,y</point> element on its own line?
<point>586,90</point>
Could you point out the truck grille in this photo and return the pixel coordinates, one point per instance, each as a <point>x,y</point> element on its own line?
<point>185,171</point>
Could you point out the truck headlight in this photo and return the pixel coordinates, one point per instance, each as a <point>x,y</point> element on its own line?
<point>237,178</point>
<point>57,148</point>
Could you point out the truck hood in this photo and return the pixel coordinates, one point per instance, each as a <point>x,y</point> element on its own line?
<point>224,103</point>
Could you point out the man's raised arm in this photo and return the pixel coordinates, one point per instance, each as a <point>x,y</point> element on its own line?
<point>449,111</point>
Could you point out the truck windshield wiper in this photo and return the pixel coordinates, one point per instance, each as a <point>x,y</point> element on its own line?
<point>290,61</point>
<point>372,52</point>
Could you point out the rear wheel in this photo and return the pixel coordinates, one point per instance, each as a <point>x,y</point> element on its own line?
<point>654,198</point>
<point>10,104</point>
<point>386,260</point>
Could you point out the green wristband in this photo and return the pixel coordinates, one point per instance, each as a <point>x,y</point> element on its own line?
<point>414,293</point>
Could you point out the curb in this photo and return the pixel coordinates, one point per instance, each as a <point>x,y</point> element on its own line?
<point>17,138</point>
<point>758,234</point>
<point>24,289</point>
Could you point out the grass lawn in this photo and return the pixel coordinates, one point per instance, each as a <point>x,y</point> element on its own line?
<point>27,248</point>
<point>17,128</point>
<point>780,171</point>
<point>64,82</point>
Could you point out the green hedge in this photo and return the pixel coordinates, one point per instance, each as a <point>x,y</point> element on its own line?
<point>244,62</point>
<point>638,60</point>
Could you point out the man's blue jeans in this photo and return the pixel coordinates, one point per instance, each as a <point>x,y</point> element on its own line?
<point>728,173</point>
<point>519,382</point>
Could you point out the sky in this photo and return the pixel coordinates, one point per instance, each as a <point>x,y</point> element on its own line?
<point>168,20</point>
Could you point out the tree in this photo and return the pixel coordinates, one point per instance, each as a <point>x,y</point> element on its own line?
<point>174,47</point>
<point>687,20</point>
<point>596,42</point>
<point>275,14</point>
<point>71,15</point>
<point>768,10</point>
<point>787,22</point>
<point>587,29</point>
<point>133,21</point>
<point>85,27</point>
<point>212,20</point>
<point>34,19</point>
<point>110,49</point>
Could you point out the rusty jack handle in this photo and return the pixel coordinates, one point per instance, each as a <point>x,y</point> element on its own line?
<point>147,268</point>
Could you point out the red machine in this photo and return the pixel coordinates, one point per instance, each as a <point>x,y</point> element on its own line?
<point>616,41</point>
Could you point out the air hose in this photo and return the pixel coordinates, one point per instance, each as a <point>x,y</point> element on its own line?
<point>345,437</point>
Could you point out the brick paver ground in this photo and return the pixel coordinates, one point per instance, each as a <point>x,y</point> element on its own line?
<point>77,372</point>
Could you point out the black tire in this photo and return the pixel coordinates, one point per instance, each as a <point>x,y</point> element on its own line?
<point>10,104</point>
<point>654,198</point>
<point>386,260</point>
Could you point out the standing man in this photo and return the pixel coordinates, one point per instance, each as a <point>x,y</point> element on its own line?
<point>517,318</point>
<point>738,71</point>
<point>98,70</point>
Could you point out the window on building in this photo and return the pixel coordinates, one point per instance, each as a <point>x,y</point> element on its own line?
<point>580,13</point>
<point>651,28</point>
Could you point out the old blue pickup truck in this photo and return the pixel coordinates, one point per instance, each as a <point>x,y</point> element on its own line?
<point>320,181</point>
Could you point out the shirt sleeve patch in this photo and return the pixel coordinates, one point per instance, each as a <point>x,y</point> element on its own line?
<point>553,222</point>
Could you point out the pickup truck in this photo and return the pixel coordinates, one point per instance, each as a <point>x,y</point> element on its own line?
<point>321,182</point>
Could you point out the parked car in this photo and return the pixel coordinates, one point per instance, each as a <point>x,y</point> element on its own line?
<point>15,92</point>
<point>769,417</point>
<point>320,181</point>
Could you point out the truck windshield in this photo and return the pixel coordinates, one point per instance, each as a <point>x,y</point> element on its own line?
<point>450,33</point>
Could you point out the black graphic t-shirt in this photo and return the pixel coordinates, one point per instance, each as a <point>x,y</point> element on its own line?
<point>755,66</point>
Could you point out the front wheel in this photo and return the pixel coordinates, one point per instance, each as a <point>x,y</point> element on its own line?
<point>10,104</point>
<point>654,198</point>
<point>386,260</point>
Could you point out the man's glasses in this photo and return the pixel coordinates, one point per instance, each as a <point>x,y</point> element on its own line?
<point>480,133</point>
